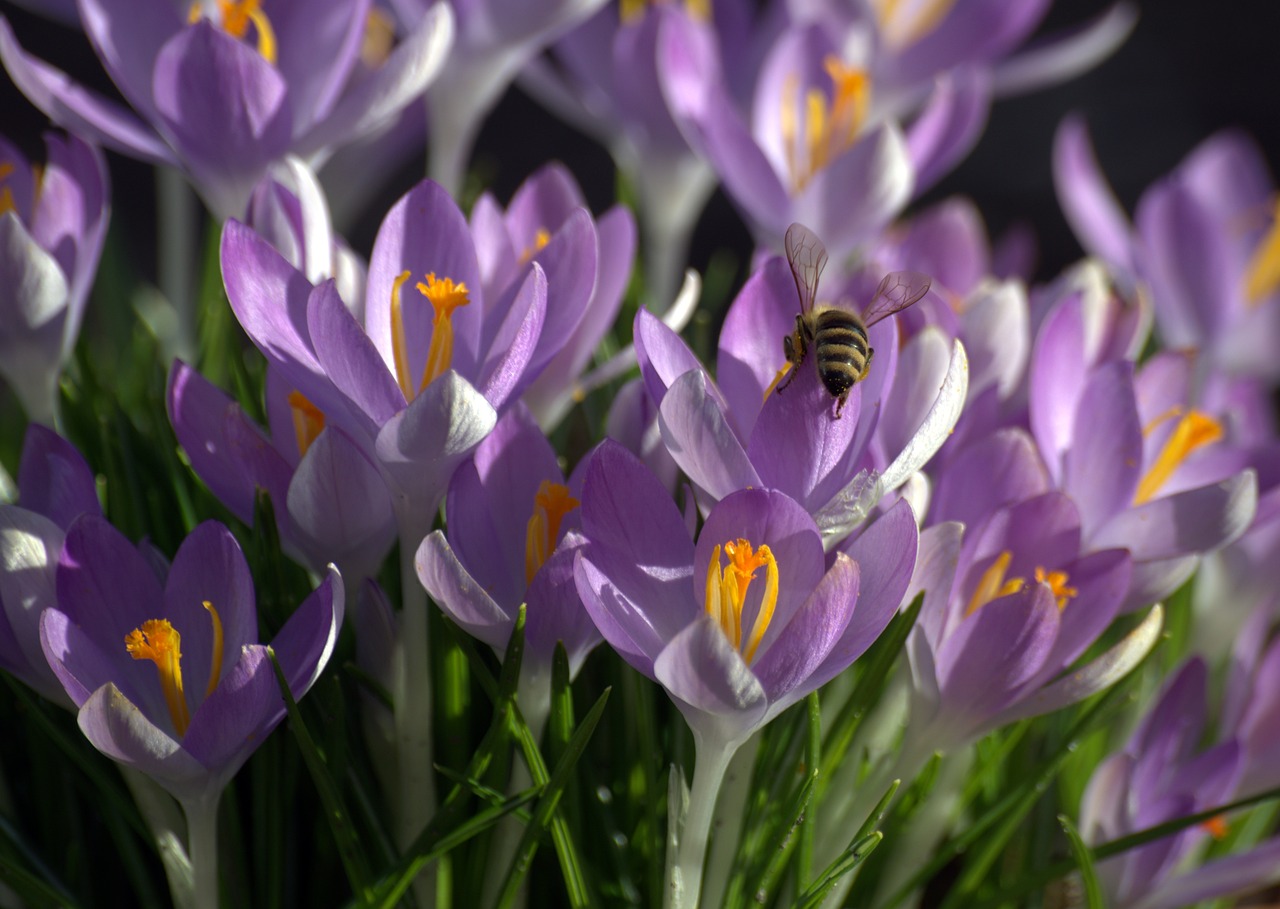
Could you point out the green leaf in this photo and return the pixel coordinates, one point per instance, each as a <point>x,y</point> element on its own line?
<point>1084,861</point>
<point>854,854</point>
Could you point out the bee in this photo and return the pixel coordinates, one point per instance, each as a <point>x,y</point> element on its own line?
<point>837,334</point>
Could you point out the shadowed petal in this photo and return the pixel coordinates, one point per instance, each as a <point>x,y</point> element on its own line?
<point>700,440</point>
<point>54,479</point>
<point>458,593</point>
<point>702,671</point>
<point>1087,200</point>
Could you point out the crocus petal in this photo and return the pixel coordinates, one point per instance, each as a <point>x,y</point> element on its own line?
<point>939,554</point>
<point>1102,467</point>
<point>127,36</point>
<point>1232,875</point>
<point>570,263</point>
<point>31,336</point>
<point>663,355</point>
<point>29,548</point>
<point>77,109</point>
<point>555,610</point>
<point>233,721</point>
<point>1087,200</point>
<point>458,593</point>
<point>1157,580</point>
<point>712,686</point>
<point>1194,521</point>
<point>117,728</point>
<point>699,438</point>
<point>53,478</point>
<point>997,337</point>
<point>923,364</point>
<point>937,425</point>
<point>403,77</point>
<point>949,126</point>
<point>1058,375</point>
<point>1067,54</point>
<point>996,471</point>
<point>886,555</point>
<point>750,350</point>
<point>506,370</point>
<point>306,641</point>
<point>322,30</point>
<point>348,357</point>
<point>226,109</point>
<point>625,623</point>
<point>1094,676</point>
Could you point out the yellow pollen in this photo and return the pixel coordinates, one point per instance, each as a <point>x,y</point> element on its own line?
<point>904,23</point>
<point>830,126</point>
<point>445,297</point>
<point>1216,826</point>
<point>1194,430</point>
<point>399,347</point>
<point>993,584</point>
<point>1263,274</point>
<point>308,420</point>
<point>727,592</point>
<point>159,642</point>
<point>631,11</point>
<point>378,38</point>
<point>7,203</point>
<point>237,16</point>
<point>782,373</point>
<point>541,238</point>
<point>215,663</point>
<point>550,504</point>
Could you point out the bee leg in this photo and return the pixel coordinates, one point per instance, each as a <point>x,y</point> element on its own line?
<point>789,351</point>
<point>866,366</point>
<point>841,401</point>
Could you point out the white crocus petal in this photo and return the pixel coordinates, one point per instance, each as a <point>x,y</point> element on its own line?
<point>848,508</point>
<point>317,230</point>
<point>1067,56</point>
<point>8,488</point>
<point>937,424</point>
<point>335,624</point>
<point>30,545</point>
<point>31,340</point>
<point>917,491</point>
<point>412,66</point>
<point>1102,673</point>
<point>997,324</point>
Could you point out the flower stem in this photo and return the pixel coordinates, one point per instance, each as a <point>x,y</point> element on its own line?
<point>175,239</point>
<point>202,849</point>
<point>712,759</point>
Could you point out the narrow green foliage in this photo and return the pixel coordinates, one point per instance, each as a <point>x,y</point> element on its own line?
<point>854,854</point>
<point>1084,862</point>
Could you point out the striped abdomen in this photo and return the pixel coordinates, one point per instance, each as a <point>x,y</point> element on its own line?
<point>840,349</point>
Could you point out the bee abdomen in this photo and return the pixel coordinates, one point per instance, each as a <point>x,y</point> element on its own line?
<point>841,348</point>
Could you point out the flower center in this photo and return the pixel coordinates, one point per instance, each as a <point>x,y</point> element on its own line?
<point>235,17</point>
<point>727,588</point>
<point>830,125</point>
<point>1194,430</point>
<point>1263,273</point>
<point>904,23</point>
<point>158,641</point>
<point>994,584</point>
<point>308,420</point>
<point>631,11</point>
<point>550,504</point>
<point>541,238</point>
<point>444,297</point>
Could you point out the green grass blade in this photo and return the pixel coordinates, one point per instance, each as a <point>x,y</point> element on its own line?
<point>854,854</point>
<point>1084,862</point>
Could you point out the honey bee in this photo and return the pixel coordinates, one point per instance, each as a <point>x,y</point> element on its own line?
<point>837,334</point>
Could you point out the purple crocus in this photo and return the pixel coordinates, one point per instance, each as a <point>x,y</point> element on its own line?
<point>55,486</point>
<point>53,220</point>
<point>737,624</point>
<point>242,84</point>
<point>511,517</point>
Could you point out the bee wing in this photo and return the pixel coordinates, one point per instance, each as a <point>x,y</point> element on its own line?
<point>807,257</point>
<point>896,292</point>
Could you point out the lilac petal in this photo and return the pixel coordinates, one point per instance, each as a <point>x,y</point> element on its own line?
<point>77,109</point>
<point>636,635</point>
<point>922,368</point>
<point>697,434</point>
<point>1095,676</point>
<point>934,576</point>
<point>35,311</point>
<point>880,166</point>
<point>886,555</point>
<point>235,719</point>
<point>30,545</point>
<point>1194,521</point>
<point>985,663</point>
<point>1087,200</point>
<point>461,597</point>
<point>555,610</point>
<point>804,655</point>
<point>1101,468</point>
<point>1067,53</point>
<point>1101,580</point>
<point>1157,580</point>
<point>570,263</point>
<point>54,479</point>
<point>209,567</point>
<point>117,728</point>
<point>333,30</point>
<point>1232,875</point>
<point>349,358</point>
<point>104,585</point>
<point>700,669</point>
<point>339,505</point>
<point>949,125</point>
<point>544,201</point>
<point>997,337</point>
<point>424,233</point>
<point>1059,373</point>
<point>1040,532</point>
<point>421,446</point>
<point>128,36</point>
<point>982,30</point>
<point>79,664</point>
<point>306,641</point>
<point>404,76</point>
<point>226,110</point>
<point>506,370</point>
<point>495,254</point>
<point>937,424</point>
<point>996,471</point>
<point>663,356</point>
<point>750,350</point>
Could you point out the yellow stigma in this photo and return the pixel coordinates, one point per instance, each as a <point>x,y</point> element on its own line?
<point>308,420</point>
<point>831,126</point>
<point>1194,430</point>
<point>630,11</point>
<point>541,238</point>
<point>378,39</point>
<point>994,584</point>
<point>158,641</point>
<point>904,22</point>
<point>1263,274</point>
<point>782,374</point>
<point>236,17</point>
<point>727,592</point>
<point>550,504</point>
<point>444,297</point>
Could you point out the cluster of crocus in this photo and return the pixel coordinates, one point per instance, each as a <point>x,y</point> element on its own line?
<point>896,428</point>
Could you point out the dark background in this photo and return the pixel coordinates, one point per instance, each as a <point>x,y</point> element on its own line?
<point>1187,70</point>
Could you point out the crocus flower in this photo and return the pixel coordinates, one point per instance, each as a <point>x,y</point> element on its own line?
<point>737,624</point>
<point>53,220</point>
<point>236,86</point>
<point>1162,774</point>
<point>509,512</point>
<point>55,486</point>
<point>190,720</point>
<point>1204,240</point>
